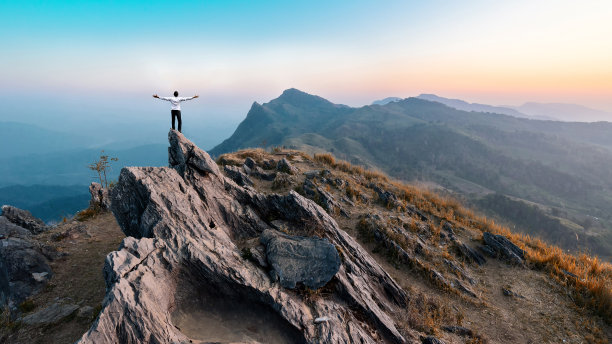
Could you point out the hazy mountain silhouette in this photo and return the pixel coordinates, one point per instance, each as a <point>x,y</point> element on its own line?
<point>562,169</point>
<point>564,112</point>
<point>465,106</point>
<point>386,101</point>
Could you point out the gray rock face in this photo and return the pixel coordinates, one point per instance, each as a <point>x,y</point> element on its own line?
<point>185,224</point>
<point>50,315</point>
<point>285,166</point>
<point>24,270</point>
<point>309,261</point>
<point>469,253</point>
<point>504,247</point>
<point>9,229</point>
<point>99,197</point>
<point>24,219</point>
<point>237,176</point>
<point>322,197</point>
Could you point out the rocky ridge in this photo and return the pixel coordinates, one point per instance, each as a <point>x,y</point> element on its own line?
<point>186,224</point>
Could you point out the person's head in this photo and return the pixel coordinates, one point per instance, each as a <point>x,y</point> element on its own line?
<point>176,93</point>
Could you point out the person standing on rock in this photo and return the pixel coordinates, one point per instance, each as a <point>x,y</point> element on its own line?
<point>176,106</point>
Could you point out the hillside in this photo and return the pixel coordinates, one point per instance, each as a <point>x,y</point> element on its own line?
<point>199,265</point>
<point>560,169</point>
<point>47,202</point>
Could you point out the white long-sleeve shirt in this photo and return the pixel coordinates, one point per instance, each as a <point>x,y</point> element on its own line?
<point>176,101</point>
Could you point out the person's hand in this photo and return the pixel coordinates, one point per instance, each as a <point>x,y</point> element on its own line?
<point>155,96</point>
<point>196,96</point>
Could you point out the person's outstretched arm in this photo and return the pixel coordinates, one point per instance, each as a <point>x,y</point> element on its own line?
<point>162,98</point>
<point>190,98</point>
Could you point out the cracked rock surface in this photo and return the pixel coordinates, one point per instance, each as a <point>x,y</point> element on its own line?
<point>185,224</point>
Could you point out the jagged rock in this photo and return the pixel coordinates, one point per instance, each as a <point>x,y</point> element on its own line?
<point>323,198</point>
<point>504,247</point>
<point>449,229</point>
<point>237,176</point>
<point>458,330</point>
<point>24,219</point>
<point>50,315</point>
<point>185,224</point>
<point>488,251</point>
<point>26,269</point>
<point>460,271</point>
<point>264,175</point>
<point>250,163</point>
<point>469,253</point>
<point>282,180</point>
<point>461,287</point>
<point>259,255</point>
<point>285,166</point>
<point>294,260</point>
<point>431,340</point>
<point>508,292</point>
<point>99,197</point>
<point>269,164</point>
<point>9,229</point>
<point>388,198</point>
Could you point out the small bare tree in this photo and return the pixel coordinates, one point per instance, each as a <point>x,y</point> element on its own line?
<point>101,166</point>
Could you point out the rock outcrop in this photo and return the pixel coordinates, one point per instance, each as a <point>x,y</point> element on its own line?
<point>50,315</point>
<point>309,261</point>
<point>503,248</point>
<point>24,219</point>
<point>24,270</point>
<point>186,224</point>
<point>24,261</point>
<point>99,197</point>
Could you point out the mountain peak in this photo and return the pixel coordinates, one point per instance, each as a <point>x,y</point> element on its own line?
<point>296,97</point>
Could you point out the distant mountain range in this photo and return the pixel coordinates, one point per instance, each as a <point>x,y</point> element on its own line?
<point>564,112</point>
<point>559,173</point>
<point>532,110</point>
<point>55,184</point>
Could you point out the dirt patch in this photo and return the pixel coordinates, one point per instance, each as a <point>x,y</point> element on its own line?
<point>77,278</point>
<point>206,315</point>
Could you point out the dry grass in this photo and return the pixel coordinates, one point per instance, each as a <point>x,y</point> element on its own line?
<point>592,286</point>
<point>344,166</point>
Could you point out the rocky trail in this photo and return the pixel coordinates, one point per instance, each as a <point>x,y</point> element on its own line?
<point>279,247</point>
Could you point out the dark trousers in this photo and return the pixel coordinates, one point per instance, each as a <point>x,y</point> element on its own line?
<point>177,114</point>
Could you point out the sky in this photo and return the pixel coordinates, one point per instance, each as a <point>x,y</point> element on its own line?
<point>93,59</point>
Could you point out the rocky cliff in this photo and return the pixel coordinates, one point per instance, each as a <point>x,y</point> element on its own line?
<point>190,234</point>
<point>283,247</point>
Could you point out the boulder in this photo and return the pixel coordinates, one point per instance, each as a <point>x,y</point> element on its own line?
<point>9,229</point>
<point>24,219</point>
<point>25,267</point>
<point>504,248</point>
<point>186,226</point>
<point>295,260</point>
<point>99,197</point>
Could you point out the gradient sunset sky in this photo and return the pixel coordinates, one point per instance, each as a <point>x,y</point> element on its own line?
<point>353,52</point>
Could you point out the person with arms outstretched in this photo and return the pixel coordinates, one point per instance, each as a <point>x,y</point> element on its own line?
<point>176,106</point>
